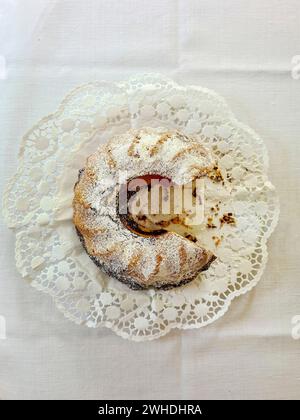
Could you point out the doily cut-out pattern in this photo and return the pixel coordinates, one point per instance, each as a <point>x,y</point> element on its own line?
<point>240,215</point>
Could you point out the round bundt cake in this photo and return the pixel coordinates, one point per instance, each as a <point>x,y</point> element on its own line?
<point>139,248</point>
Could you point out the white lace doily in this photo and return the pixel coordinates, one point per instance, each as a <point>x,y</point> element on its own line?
<point>37,205</point>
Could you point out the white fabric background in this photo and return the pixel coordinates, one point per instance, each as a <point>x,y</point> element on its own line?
<point>243,50</point>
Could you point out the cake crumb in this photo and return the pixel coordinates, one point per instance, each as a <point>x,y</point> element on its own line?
<point>210,224</point>
<point>215,174</point>
<point>217,240</point>
<point>228,219</point>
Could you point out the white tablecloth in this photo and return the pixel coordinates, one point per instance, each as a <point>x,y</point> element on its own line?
<point>240,48</point>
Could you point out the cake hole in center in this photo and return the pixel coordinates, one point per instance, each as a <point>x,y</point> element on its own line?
<point>151,205</point>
